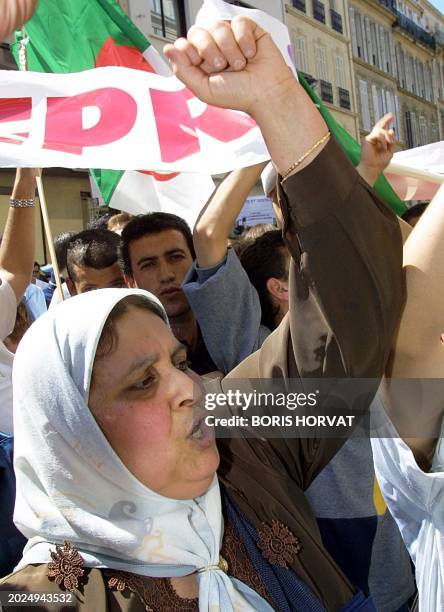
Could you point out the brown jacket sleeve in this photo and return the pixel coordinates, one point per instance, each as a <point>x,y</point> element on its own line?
<point>346,293</point>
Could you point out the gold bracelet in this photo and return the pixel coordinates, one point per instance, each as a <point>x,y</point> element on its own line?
<point>301,159</point>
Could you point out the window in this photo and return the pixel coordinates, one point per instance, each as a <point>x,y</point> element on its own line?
<point>359,35</point>
<point>409,130</point>
<point>326,91</point>
<point>365,110</point>
<point>299,4</point>
<point>168,18</point>
<point>318,11</point>
<point>340,71</point>
<point>321,63</point>
<point>377,106</point>
<point>353,34</point>
<point>374,59</point>
<point>301,54</point>
<point>422,130</point>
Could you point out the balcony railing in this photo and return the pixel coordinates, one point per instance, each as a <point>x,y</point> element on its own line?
<point>414,30</point>
<point>389,4</point>
<point>308,77</point>
<point>299,4</point>
<point>326,91</point>
<point>439,37</point>
<point>318,11</point>
<point>344,98</point>
<point>336,21</point>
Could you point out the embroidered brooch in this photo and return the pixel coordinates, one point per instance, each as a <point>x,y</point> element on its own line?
<point>117,582</point>
<point>278,545</point>
<point>66,566</point>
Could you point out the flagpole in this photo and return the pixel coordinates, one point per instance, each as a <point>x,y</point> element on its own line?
<point>407,171</point>
<point>42,199</point>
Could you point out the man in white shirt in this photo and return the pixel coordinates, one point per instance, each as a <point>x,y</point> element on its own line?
<point>16,264</point>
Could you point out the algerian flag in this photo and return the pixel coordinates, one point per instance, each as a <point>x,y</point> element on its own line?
<point>75,35</point>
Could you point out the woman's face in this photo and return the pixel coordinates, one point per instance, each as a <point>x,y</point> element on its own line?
<point>147,403</point>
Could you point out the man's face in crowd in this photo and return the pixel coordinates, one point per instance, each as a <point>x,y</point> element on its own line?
<point>35,272</point>
<point>159,263</point>
<point>87,279</point>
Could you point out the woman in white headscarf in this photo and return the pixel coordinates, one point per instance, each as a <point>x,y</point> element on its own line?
<point>116,471</point>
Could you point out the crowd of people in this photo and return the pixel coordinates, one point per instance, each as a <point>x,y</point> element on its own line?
<point>119,497</point>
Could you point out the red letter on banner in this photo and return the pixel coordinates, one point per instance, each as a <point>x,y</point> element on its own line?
<point>12,110</point>
<point>64,130</point>
<point>176,127</point>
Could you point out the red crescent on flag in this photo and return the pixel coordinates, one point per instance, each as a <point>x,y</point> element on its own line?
<point>159,176</point>
<point>119,55</point>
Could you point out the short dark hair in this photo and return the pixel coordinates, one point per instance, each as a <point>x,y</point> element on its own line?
<point>100,222</point>
<point>97,249</point>
<point>152,223</point>
<point>263,259</point>
<point>61,248</point>
<point>414,211</point>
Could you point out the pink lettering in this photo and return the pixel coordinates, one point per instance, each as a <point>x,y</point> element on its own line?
<point>64,130</point>
<point>176,127</point>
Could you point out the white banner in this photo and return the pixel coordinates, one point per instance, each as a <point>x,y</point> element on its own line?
<point>119,119</point>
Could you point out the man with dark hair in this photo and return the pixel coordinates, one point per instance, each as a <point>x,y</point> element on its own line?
<point>92,261</point>
<point>60,246</point>
<point>267,261</point>
<point>156,253</point>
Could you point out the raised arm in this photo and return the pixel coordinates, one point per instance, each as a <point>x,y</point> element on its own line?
<point>18,242</point>
<point>223,300</point>
<point>377,150</point>
<point>419,348</point>
<point>346,278</point>
<point>215,222</point>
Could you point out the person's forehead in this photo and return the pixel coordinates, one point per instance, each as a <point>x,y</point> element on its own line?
<point>94,275</point>
<point>141,334</point>
<point>154,245</point>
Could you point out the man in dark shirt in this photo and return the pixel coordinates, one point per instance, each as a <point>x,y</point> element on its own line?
<point>157,252</point>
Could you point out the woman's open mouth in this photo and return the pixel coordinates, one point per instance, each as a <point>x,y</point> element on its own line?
<point>201,432</point>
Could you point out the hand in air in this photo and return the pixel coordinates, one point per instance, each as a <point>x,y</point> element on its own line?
<point>378,147</point>
<point>233,65</point>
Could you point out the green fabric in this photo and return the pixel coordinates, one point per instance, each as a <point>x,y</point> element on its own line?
<point>353,150</point>
<point>107,181</point>
<point>67,36</point>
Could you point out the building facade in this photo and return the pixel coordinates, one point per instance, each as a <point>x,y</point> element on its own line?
<point>397,50</point>
<point>320,36</point>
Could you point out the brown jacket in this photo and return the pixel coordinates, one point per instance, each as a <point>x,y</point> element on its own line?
<point>346,294</point>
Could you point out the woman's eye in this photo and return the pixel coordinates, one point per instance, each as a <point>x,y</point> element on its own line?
<point>183,365</point>
<point>146,383</point>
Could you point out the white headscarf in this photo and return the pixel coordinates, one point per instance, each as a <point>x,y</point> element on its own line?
<point>72,486</point>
